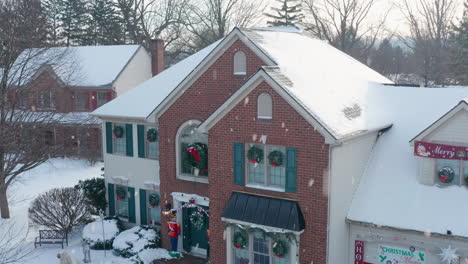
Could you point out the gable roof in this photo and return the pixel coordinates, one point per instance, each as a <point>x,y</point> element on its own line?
<point>75,66</point>
<point>389,193</point>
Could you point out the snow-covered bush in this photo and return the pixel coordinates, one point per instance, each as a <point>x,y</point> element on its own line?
<point>147,256</point>
<point>92,233</point>
<point>60,209</point>
<point>130,242</point>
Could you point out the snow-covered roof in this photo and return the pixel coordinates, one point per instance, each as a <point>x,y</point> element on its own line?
<point>331,85</point>
<point>140,101</point>
<point>389,193</point>
<point>75,66</point>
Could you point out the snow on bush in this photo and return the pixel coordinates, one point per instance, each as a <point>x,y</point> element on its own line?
<point>147,256</point>
<point>93,233</point>
<point>131,242</point>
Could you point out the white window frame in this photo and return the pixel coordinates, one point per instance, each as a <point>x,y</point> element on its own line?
<point>264,105</point>
<point>98,96</point>
<point>240,63</point>
<point>147,144</point>
<point>180,175</point>
<point>123,139</point>
<point>461,172</point>
<point>117,201</point>
<point>267,173</point>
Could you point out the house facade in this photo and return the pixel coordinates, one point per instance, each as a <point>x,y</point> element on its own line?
<point>74,81</point>
<point>254,152</point>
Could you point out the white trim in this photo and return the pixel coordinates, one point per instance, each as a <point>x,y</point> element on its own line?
<point>251,84</point>
<point>186,197</point>
<point>270,228</point>
<point>201,68</point>
<point>265,117</point>
<point>119,179</point>
<point>263,187</point>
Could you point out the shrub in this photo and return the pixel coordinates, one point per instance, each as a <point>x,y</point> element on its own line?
<point>130,242</point>
<point>92,233</point>
<point>60,209</point>
<point>95,193</point>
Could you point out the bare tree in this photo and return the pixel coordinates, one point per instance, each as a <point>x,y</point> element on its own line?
<point>60,209</point>
<point>12,245</point>
<point>211,20</point>
<point>345,24</point>
<point>25,141</point>
<point>430,22</point>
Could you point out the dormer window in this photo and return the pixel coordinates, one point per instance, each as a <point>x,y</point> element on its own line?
<point>264,106</point>
<point>240,63</point>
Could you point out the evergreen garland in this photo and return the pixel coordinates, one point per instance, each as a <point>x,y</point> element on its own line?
<point>255,154</point>
<point>118,131</point>
<point>152,135</point>
<point>446,175</point>
<point>240,239</point>
<point>154,199</point>
<point>280,248</point>
<point>275,158</point>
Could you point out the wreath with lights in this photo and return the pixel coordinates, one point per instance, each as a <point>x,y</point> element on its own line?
<point>280,248</point>
<point>154,200</point>
<point>118,131</point>
<point>255,154</point>
<point>198,220</point>
<point>152,135</point>
<point>240,239</point>
<point>446,175</point>
<point>275,158</point>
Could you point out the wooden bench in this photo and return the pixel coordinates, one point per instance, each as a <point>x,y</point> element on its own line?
<point>51,237</point>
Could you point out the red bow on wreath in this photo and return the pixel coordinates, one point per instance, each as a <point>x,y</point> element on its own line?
<point>195,154</point>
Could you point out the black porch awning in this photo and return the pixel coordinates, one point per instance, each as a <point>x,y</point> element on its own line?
<point>267,211</point>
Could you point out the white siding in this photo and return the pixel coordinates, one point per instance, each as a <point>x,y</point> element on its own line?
<point>136,170</point>
<point>348,162</point>
<point>430,244</point>
<point>453,130</point>
<point>426,170</point>
<point>137,71</point>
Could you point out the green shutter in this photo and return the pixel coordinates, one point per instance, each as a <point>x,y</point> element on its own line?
<point>131,205</point>
<point>129,133</point>
<point>291,169</point>
<point>143,218</point>
<point>111,199</point>
<point>109,137</point>
<point>238,163</point>
<point>187,234</point>
<point>141,140</point>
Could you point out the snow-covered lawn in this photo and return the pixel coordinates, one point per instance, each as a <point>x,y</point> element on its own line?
<point>52,174</point>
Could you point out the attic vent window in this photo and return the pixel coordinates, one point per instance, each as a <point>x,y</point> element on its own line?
<point>352,112</point>
<point>240,63</point>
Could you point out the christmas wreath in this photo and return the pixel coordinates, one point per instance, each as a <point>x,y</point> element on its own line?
<point>275,158</point>
<point>255,154</point>
<point>196,155</point>
<point>118,131</point>
<point>154,200</point>
<point>152,135</point>
<point>446,175</point>
<point>121,193</point>
<point>197,218</point>
<point>280,248</point>
<point>240,239</point>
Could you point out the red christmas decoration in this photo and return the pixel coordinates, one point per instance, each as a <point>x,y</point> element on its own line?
<point>443,178</point>
<point>192,201</point>
<point>195,154</point>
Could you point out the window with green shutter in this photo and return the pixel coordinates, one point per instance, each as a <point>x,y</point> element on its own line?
<point>238,163</point>
<point>111,198</point>
<point>291,170</point>
<point>109,137</point>
<point>131,205</point>
<point>129,136</point>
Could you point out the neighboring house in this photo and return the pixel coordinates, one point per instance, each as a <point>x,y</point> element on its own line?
<point>410,205</point>
<point>285,122</point>
<point>73,81</point>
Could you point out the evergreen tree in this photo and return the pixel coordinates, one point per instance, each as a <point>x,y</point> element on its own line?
<point>460,65</point>
<point>289,14</point>
<point>53,11</point>
<point>73,19</point>
<point>103,25</point>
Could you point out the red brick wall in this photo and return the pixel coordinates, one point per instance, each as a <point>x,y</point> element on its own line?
<point>287,128</point>
<point>206,94</point>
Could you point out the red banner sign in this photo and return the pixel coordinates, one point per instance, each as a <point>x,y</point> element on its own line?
<point>358,252</point>
<point>440,151</point>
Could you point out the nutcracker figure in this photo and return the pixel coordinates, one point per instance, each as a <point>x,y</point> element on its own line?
<point>174,232</point>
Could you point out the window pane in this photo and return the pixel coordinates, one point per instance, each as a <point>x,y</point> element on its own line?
<point>101,98</point>
<point>261,259</point>
<point>122,205</point>
<point>277,173</point>
<point>190,135</point>
<point>120,144</point>
<point>256,171</point>
<point>153,150</point>
<point>241,256</point>
<point>453,164</point>
<point>81,101</point>
<point>154,213</point>
<point>260,244</point>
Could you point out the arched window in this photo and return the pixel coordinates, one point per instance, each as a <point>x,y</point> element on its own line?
<point>192,150</point>
<point>240,63</point>
<point>264,106</point>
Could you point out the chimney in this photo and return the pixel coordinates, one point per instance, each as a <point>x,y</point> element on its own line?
<point>157,55</point>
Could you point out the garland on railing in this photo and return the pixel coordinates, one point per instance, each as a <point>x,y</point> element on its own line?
<point>275,236</point>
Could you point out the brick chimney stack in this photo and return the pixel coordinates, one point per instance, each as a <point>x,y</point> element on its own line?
<point>157,54</point>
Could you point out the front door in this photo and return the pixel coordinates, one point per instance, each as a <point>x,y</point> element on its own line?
<point>194,239</point>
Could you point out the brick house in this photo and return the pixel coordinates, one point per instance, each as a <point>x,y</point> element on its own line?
<point>282,121</point>
<point>74,81</point>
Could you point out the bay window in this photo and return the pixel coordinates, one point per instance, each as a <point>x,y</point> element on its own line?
<point>266,166</point>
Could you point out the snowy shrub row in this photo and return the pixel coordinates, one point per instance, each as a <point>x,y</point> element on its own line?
<point>131,242</point>
<point>93,233</point>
